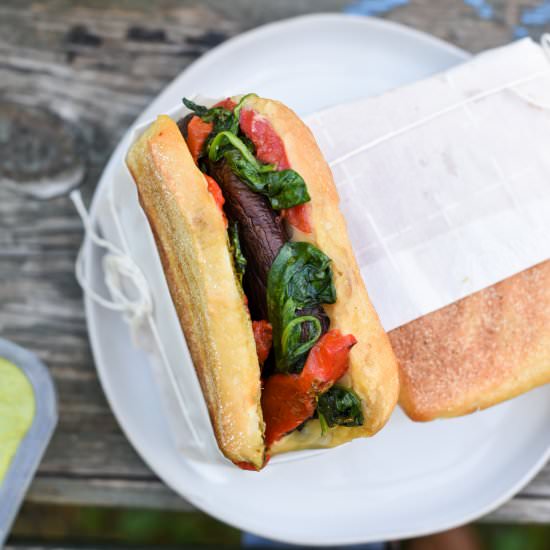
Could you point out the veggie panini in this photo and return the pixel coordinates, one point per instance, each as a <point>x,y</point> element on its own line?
<point>287,346</point>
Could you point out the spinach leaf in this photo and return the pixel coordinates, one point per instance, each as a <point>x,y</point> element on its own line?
<point>219,146</point>
<point>283,188</point>
<point>323,423</point>
<point>312,285</point>
<point>235,246</point>
<point>239,106</point>
<point>339,406</point>
<point>223,119</point>
<point>199,110</point>
<point>300,277</point>
<point>292,344</point>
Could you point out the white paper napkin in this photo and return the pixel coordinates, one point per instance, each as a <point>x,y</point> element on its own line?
<point>445,184</point>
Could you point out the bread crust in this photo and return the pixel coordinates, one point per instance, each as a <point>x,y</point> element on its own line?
<point>192,242</point>
<point>484,349</point>
<point>373,371</point>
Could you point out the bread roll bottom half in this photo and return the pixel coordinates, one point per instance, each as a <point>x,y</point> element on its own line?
<point>184,171</point>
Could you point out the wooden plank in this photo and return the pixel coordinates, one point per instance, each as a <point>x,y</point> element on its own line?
<point>539,487</point>
<point>134,493</point>
<point>521,510</point>
<point>74,75</point>
<point>531,505</point>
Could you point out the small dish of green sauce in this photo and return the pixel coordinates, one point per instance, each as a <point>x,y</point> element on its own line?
<point>17,408</point>
<point>28,416</point>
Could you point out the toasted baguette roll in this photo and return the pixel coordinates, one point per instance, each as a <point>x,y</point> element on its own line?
<point>373,372</point>
<point>192,242</point>
<point>486,348</point>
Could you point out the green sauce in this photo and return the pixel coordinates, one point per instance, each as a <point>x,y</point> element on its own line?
<point>17,407</point>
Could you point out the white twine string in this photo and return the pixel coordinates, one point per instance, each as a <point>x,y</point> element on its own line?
<point>119,267</point>
<point>116,266</point>
<point>545,43</point>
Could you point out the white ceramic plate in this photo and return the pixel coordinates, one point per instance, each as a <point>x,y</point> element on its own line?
<point>409,480</point>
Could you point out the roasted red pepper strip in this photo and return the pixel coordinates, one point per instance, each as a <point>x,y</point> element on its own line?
<point>226,103</point>
<point>289,399</point>
<point>243,465</point>
<point>271,150</point>
<point>327,361</point>
<point>197,133</point>
<point>298,216</point>
<point>198,130</point>
<point>216,192</point>
<point>263,335</point>
<point>269,146</point>
<point>286,404</point>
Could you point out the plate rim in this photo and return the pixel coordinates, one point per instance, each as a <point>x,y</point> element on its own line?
<point>205,60</point>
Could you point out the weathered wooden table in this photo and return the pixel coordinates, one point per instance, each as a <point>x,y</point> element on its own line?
<point>73,76</point>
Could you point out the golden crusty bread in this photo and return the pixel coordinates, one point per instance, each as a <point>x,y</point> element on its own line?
<point>373,372</point>
<point>192,242</point>
<point>479,351</point>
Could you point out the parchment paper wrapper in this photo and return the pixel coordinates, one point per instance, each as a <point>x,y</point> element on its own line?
<point>442,205</point>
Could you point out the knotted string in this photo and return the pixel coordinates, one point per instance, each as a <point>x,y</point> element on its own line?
<point>120,269</point>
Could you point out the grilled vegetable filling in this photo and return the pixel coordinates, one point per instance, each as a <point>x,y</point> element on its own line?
<point>286,283</point>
